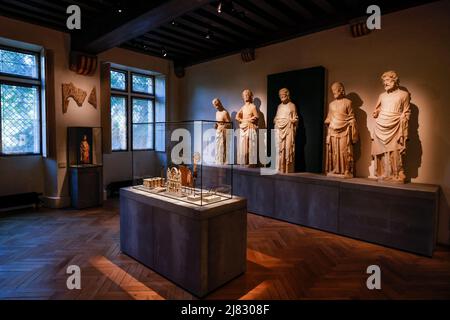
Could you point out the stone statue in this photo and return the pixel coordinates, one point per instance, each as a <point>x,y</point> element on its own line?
<point>342,134</point>
<point>223,123</point>
<point>286,121</point>
<point>85,151</point>
<point>248,124</point>
<point>390,133</point>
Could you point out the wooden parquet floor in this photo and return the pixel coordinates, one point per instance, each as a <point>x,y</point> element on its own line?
<point>285,261</point>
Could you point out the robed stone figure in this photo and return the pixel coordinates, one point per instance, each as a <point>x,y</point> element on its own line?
<point>342,134</point>
<point>247,118</point>
<point>223,123</point>
<point>390,132</point>
<point>286,120</point>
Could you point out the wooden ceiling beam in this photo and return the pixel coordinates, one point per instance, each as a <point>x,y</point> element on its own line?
<point>202,28</point>
<point>26,6</point>
<point>325,6</point>
<point>30,17</point>
<point>266,23</point>
<point>271,10</point>
<point>177,45</point>
<point>220,27</point>
<point>149,51</point>
<point>182,39</point>
<point>186,32</point>
<point>299,9</point>
<point>136,27</point>
<point>233,20</point>
<point>152,44</point>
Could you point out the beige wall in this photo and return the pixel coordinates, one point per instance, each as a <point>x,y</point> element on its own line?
<point>23,174</point>
<point>413,42</point>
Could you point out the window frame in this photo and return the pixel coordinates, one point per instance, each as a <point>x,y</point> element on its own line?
<point>148,123</point>
<point>37,55</point>
<point>126,81</point>
<point>125,97</point>
<point>28,82</point>
<point>129,94</point>
<point>139,74</point>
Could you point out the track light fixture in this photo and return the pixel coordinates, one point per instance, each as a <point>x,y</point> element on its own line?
<point>164,52</point>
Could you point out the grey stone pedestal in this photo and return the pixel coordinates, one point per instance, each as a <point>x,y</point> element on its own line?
<point>402,216</point>
<point>198,248</point>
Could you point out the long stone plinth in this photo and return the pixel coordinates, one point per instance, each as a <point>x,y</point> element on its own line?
<point>402,216</point>
<point>198,248</point>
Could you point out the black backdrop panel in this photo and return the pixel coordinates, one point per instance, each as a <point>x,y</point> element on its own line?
<point>307,88</point>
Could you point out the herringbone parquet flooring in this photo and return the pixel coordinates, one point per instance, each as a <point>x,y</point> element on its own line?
<point>285,261</point>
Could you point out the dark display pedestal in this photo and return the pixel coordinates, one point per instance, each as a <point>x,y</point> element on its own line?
<point>198,247</point>
<point>86,186</point>
<point>402,216</point>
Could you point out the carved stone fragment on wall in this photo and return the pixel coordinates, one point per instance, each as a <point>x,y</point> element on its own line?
<point>69,90</point>
<point>93,98</point>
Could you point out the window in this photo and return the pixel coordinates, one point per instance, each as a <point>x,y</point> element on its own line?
<point>142,84</point>
<point>20,107</point>
<point>118,80</point>
<point>143,124</point>
<point>119,123</point>
<point>135,90</point>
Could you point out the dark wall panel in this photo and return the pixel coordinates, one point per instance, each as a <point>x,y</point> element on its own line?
<point>307,88</point>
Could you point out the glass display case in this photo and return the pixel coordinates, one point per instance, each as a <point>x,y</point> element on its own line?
<point>193,164</point>
<point>85,166</point>
<point>84,147</point>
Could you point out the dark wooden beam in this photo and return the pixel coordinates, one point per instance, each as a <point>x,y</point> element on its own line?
<point>202,28</point>
<point>272,10</point>
<point>152,44</point>
<point>220,26</point>
<point>325,6</point>
<point>181,40</point>
<point>299,9</point>
<point>36,10</point>
<point>136,27</point>
<point>191,34</point>
<point>176,45</point>
<point>30,17</point>
<point>232,19</point>
<point>266,23</point>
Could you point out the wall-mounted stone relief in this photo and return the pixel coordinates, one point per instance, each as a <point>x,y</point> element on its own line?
<point>69,90</point>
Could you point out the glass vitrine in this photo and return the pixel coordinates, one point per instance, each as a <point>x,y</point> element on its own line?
<point>193,166</point>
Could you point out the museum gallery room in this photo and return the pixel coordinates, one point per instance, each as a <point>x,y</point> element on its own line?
<point>224,150</point>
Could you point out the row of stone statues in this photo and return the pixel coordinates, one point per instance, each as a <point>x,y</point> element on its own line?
<point>390,133</point>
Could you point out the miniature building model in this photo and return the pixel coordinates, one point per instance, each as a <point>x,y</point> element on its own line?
<point>153,182</point>
<point>174,181</point>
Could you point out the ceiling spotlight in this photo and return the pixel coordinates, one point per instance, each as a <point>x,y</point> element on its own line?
<point>163,52</point>
<point>225,6</point>
<point>174,23</point>
<point>208,34</point>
